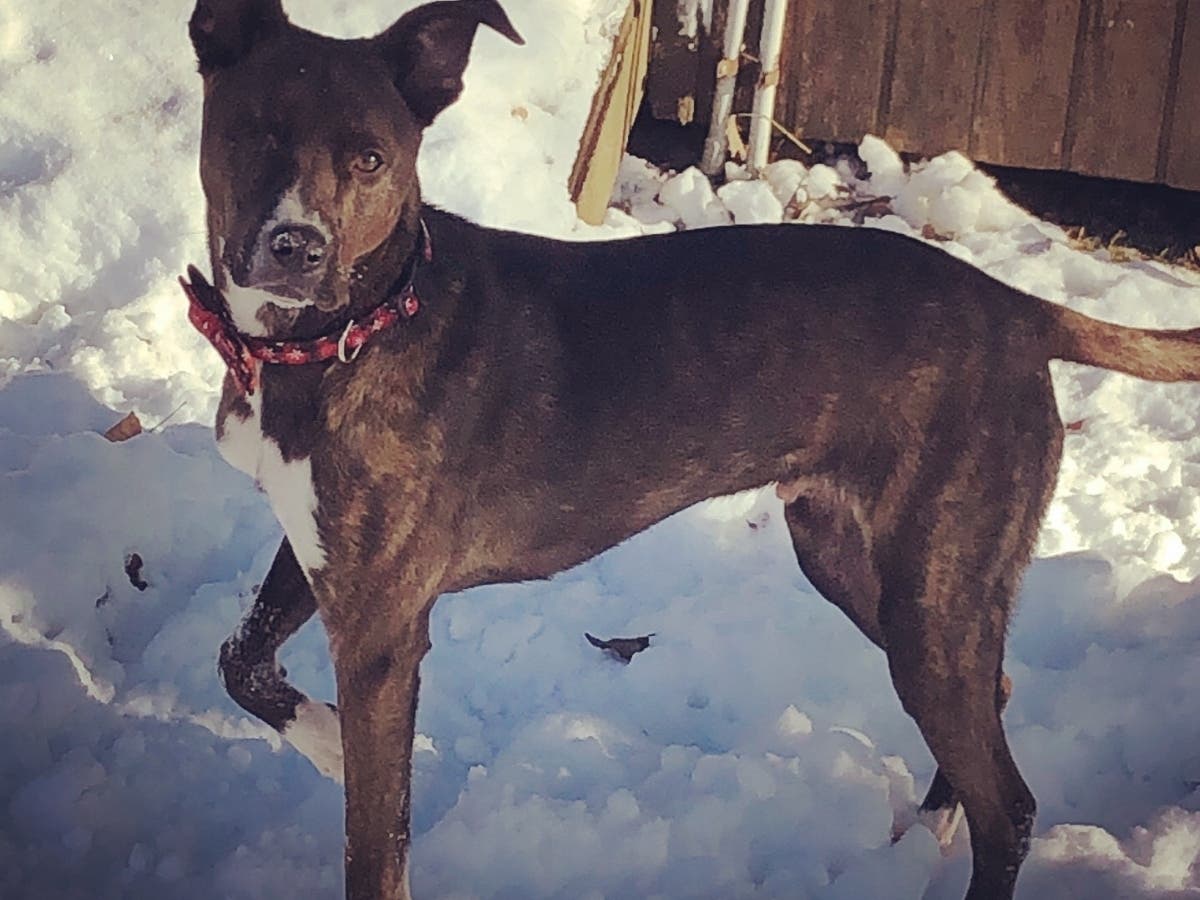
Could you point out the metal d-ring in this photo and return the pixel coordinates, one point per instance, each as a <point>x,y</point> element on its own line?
<point>341,345</point>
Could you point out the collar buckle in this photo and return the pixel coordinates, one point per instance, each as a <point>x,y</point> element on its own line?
<point>341,345</point>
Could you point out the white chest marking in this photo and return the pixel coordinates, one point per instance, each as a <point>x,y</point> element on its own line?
<point>288,485</point>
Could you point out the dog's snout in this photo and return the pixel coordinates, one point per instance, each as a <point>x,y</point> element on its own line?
<point>297,247</point>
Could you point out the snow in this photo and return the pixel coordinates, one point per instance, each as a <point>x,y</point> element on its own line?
<point>755,748</point>
<point>750,202</point>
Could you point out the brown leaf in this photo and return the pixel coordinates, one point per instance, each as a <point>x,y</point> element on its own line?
<point>622,648</point>
<point>130,426</point>
<point>133,569</point>
<point>1077,425</point>
<point>737,147</point>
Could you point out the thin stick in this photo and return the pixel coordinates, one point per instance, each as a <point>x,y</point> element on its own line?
<point>782,130</point>
<point>169,417</point>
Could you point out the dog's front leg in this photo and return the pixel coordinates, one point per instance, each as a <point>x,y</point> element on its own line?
<point>256,681</point>
<point>377,649</point>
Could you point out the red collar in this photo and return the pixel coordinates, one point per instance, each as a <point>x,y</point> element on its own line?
<point>243,353</point>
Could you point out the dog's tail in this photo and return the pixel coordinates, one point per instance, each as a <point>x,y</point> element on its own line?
<point>1156,355</point>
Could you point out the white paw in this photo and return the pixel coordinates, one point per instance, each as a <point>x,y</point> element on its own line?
<point>943,823</point>
<point>317,733</point>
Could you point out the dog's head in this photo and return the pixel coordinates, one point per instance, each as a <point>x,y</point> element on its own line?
<point>309,144</point>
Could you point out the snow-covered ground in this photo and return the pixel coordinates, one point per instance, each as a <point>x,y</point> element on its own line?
<point>756,749</point>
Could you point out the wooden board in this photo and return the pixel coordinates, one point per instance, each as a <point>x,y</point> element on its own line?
<point>832,61</point>
<point>614,107</point>
<point>1120,88</point>
<point>1183,150</point>
<point>1025,83</point>
<point>932,85</point>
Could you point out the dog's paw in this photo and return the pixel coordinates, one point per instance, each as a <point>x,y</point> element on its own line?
<point>317,733</point>
<point>943,823</point>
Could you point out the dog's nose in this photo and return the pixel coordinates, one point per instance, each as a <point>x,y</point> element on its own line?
<point>297,247</point>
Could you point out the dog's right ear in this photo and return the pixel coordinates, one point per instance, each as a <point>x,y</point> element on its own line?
<point>429,46</point>
<point>223,31</point>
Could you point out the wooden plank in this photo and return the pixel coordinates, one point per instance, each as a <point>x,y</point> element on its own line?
<point>613,110</point>
<point>833,57</point>
<point>1025,79</point>
<point>933,83</point>
<point>1120,88</point>
<point>1183,153</point>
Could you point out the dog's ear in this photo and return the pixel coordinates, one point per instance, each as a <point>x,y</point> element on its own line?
<point>222,31</point>
<point>428,50</point>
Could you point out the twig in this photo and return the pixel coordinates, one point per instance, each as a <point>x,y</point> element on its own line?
<point>782,130</point>
<point>169,417</point>
<point>859,204</point>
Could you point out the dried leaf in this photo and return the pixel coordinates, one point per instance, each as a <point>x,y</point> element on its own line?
<point>130,426</point>
<point>737,147</point>
<point>622,648</point>
<point>133,569</point>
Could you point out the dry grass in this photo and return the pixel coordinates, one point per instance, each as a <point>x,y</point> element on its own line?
<point>1119,251</point>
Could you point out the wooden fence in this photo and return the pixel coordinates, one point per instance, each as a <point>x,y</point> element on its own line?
<point>1100,87</point>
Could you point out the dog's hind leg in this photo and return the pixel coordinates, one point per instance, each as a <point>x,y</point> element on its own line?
<point>257,683</point>
<point>831,534</point>
<point>940,615</point>
<point>949,580</point>
<point>946,672</point>
<point>941,811</point>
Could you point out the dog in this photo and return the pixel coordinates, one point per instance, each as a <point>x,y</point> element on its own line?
<point>431,405</point>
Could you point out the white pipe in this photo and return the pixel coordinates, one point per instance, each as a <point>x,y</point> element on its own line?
<point>774,15</point>
<point>727,69</point>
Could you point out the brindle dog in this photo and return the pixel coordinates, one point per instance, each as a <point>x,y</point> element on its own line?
<point>536,402</point>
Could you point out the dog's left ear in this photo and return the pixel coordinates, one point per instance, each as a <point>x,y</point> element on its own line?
<point>428,49</point>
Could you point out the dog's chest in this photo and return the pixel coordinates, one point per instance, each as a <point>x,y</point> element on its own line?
<point>288,484</point>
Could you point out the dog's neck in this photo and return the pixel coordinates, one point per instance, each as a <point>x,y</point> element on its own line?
<point>291,394</point>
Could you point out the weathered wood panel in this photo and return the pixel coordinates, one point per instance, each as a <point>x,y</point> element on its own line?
<point>1102,87</point>
<point>937,56</point>
<point>1120,88</point>
<point>1025,83</point>
<point>1183,151</point>
<point>833,63</point>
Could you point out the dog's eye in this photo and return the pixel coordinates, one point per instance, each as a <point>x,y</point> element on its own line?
<point>368,161</point>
